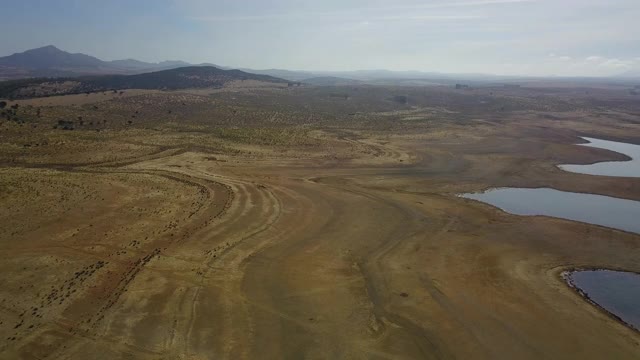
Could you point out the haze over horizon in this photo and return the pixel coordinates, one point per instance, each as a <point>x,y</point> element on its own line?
<point>505,37</point>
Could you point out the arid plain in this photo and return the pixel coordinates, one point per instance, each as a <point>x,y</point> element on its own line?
<point>267,222</point>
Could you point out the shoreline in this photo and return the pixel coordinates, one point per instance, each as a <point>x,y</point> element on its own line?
<point>565,276</point>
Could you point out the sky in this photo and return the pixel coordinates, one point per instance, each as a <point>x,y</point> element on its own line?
<point>505,37</point>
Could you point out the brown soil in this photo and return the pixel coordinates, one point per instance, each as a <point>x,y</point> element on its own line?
<point>164,239</point>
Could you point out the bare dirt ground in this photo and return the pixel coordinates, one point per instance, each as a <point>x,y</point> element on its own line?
<point>317,223</point>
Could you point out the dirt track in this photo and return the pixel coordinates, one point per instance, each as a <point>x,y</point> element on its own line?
<point>276,265</point>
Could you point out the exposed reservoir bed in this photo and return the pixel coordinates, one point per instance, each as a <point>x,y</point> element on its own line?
<point>617,292</point>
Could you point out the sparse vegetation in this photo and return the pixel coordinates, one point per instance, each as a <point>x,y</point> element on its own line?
<point>180,78</point>
<point>157,198</point>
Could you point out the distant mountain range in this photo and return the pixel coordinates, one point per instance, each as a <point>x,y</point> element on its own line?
<point>179,78</point>
<point>49,61</point>
<point>635,74</point>
<point>331,81</point>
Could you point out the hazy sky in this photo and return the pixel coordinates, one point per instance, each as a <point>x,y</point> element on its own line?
<point>537,37</point>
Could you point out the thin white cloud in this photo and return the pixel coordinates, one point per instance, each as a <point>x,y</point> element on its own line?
<point>217,18</point>
<point>593,65</point>
<point>559,57</point>
<point>616,64</point>
<point>346,12</point>
<point>306,16</point>
<point>478,3</point>
<point>428,17</point>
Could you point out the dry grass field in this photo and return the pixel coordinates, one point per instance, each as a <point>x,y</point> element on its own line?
<point>305,223</point>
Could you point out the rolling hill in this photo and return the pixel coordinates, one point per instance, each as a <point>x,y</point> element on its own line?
<point>173,79</point>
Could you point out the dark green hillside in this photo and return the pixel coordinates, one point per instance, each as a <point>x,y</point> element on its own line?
<point>173,79</point>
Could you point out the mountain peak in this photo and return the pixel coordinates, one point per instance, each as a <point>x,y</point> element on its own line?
<point>44,50</point>
<point>50,57</point>
<point>48,50</point>
<point>47,47</point>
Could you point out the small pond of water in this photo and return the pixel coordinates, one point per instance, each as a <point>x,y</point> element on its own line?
<point>618,292</point>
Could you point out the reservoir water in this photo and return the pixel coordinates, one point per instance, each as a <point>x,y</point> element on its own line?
<point>601,210</point>
<point>618,292</point>
<point>617,213</point>
<point>629,168</point>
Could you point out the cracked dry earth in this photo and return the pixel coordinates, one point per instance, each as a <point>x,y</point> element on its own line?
<point>181,257</point>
